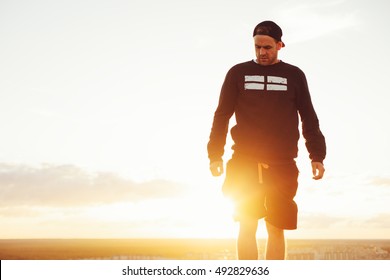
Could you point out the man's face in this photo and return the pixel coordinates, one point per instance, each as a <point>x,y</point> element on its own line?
<point>266,49</point>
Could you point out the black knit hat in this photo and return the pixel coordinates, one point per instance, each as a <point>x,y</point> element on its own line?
<point>269,28</point>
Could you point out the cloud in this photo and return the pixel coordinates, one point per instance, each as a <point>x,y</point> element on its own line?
<point>68,185</point>
<point>325,221</point>
<point>19,212</point>
<point>307,21</point>
<point>316,221</point>
<point>379,221</point>
<point>380,181</point>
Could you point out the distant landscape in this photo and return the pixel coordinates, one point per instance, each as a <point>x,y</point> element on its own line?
<point>183,249</point>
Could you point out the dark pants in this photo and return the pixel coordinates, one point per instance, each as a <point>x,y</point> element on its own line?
<point>263,189</point>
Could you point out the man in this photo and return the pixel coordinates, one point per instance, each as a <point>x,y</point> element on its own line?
<point>267,96</point>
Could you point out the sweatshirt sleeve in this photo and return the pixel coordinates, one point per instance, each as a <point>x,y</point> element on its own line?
<point>222,115</point>
<point>314,139</point>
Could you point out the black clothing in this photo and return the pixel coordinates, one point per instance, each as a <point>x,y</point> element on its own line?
<point>267,102</point>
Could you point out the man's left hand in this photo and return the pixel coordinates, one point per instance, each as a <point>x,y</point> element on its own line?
<point>318,170</point>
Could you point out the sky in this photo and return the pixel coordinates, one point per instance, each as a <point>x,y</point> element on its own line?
<point>106,109</point>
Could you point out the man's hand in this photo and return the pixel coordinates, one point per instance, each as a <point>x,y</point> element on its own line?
<point>318,170</point>
<point>216,168</point>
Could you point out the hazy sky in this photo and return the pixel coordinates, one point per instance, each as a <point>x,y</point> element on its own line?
<point>106,109</point>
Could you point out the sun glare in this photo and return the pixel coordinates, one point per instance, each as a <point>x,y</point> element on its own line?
<point>193,215</point>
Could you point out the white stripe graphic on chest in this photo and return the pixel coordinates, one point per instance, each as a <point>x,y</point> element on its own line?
<point>277,80</point>
<point>255,86</point>
<point>254,78</point>
<point>277,87</point>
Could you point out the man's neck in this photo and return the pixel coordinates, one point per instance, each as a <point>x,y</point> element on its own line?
<point>277,61</point>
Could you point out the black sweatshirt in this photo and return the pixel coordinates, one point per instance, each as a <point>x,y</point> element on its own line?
<point>266,101</point>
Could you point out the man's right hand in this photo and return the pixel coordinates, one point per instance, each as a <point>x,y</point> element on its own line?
<point>216,168</point>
